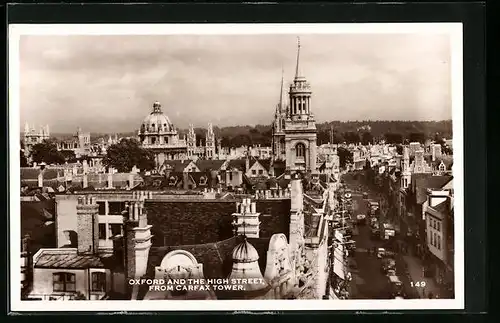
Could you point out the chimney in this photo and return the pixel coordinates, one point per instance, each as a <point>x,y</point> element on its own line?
<point>110,178</point>
<point>40,179</point>
<point>246,219</point>
<point>87,225</point>
<point>130,181</point>
<point>297,196</point>
<point>137,235</point>
<point>185,180</point>
<point>85,183</point>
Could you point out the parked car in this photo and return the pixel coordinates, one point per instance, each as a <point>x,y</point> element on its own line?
<point>388,264</point>
<point>361,218</point>
<point>396,286</point>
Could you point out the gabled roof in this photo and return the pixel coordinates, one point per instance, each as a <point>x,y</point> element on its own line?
<point>421,182</point>
<point>207,165</point>
<point>176,165</point>
<point>447,161</point>
<point>442,207</point>
<point>239,164</point>
<point>57,258</point>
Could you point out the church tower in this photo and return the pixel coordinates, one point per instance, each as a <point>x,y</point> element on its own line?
<point>300,126</point>
<point>191,142</point>
<point>278,127</point>
<point>405,171</point>
<point>210,143</point>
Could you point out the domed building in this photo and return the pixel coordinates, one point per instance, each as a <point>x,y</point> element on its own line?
<point>158,134</point>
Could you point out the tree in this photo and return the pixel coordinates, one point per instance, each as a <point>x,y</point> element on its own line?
<point>24,160</point>
<point>128,153</point>
<point>345,156</point>
<point>241,140</point>
<point>69,155</point>
<point>399,149</point>
<point>351,137</point>
<point>47,152</point>
<point>393,138</point>
<point>417,137</point>
<point>366,138</point>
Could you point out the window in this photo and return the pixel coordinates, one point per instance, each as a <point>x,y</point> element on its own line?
<point>254,172</point>
<point>102,231</point>
<point>166,140</point>
<point>102,208</point>
<point>261,172</point>
<point>300,150</point>
<point>438,242</point>
<point>230,176</point>
<point>64,282</point>
<point>98,282</point>
<point>438,226</point>
<point>116,208</point>
<point>153,140</point>
<point>203,180</point>
<point>114,229</point>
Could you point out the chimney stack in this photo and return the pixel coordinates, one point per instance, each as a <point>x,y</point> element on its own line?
<point>137,238</point>
<point>246,219</point>
<point>87,225</point>
<point>110,178</point>
<point>85,183</point>
<point>130,181</point>
<point>40,179</point>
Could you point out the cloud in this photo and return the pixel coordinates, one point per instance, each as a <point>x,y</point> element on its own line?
<point>108,83</point>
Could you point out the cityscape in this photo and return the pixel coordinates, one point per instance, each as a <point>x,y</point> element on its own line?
<point>298,208</point>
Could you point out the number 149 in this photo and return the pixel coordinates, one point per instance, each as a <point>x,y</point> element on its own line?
<point>417,284</point>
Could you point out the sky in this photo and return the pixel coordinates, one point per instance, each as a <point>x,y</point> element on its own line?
<point>108,84</point>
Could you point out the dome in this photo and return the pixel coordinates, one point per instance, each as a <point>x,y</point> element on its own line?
<point>245,252</point>
<point>156,121</point>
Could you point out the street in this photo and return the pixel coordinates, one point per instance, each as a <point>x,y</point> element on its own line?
<point>368,280</point>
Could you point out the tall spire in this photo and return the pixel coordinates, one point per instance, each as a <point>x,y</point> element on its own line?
<point>281,90</point>
<point>297,74</point>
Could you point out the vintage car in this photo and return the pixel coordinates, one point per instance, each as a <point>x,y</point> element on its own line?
<point>361,218</point>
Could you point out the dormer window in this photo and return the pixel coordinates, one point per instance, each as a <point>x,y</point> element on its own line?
<point>442,167</point>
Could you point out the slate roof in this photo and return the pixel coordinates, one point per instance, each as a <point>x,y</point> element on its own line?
<point>67,260</point>
<point>448,162</point>
<point>237,163</point>
<point>29,173</point>
<point>442,207</point>
<point>421,182</point>
<point>207,165</point>
<point>177,165</point>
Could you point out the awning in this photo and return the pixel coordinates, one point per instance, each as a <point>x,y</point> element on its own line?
<point>338,261</point>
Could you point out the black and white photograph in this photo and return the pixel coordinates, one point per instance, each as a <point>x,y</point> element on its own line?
<point>242,168</point>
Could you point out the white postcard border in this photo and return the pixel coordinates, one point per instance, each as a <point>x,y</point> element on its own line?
<point>15,32</point>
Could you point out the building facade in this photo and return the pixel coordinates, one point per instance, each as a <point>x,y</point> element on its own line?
<point>33,137</point>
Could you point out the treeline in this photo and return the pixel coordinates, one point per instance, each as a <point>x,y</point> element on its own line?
<point>336,132</point>
<point>394,132</point>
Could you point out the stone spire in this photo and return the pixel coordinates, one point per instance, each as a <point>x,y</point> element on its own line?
<point>297,70</point>
<point>281,92</point>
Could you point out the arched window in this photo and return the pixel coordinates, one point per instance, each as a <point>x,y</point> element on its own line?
<point>64,282</point>
<point>300,151</point>
<point>98,282</point>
